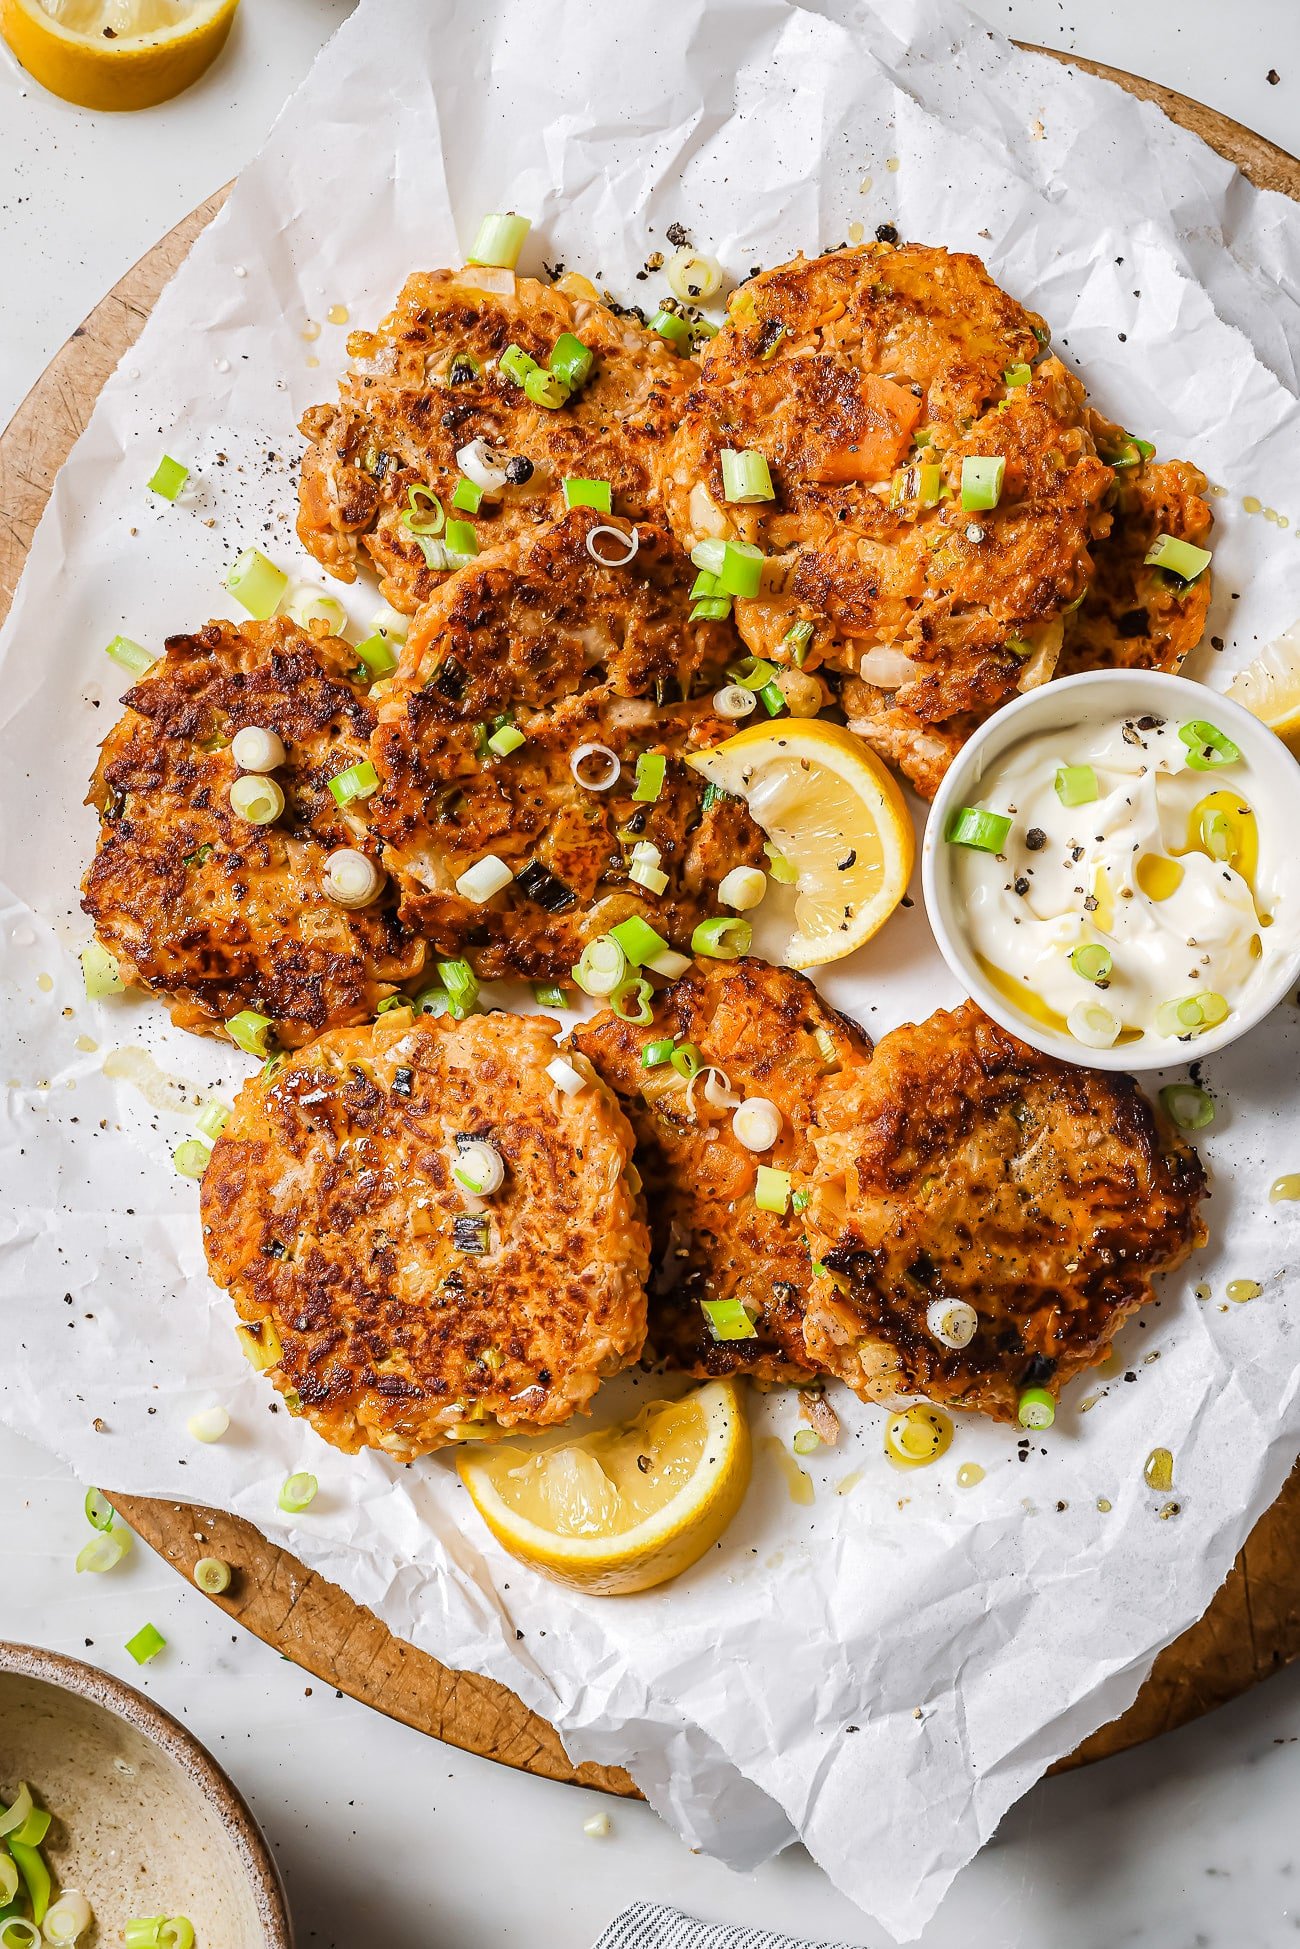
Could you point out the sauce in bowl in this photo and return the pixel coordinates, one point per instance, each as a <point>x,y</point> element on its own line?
<point>1123,881</point>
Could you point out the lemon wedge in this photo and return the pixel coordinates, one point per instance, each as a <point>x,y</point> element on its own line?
<point>116,54</point>
<point>828,806</point>
<point>625,1508</point>
<point>1270,687</point>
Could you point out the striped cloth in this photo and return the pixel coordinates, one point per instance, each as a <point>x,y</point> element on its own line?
<point>648,1926</point>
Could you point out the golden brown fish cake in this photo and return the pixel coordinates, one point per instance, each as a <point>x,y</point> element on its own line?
<point>772,1035</point>
<point>577,654</point>
<point>963,1166</point>
<point>406,406</point>
<point>866,378</point>
<point>392,1307</point>
<point>213,913</point>
<point>1134,617</point>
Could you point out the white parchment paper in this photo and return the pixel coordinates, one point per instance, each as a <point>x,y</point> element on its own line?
<point>884,1671</point>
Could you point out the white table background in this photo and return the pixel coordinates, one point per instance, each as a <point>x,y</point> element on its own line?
<point>382,1834</point>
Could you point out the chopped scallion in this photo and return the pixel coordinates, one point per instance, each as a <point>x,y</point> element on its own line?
<point>146,1644</point>
<point>1187,1105</point>
<point>772,1189</point>
<point>1076,784</point>
<point>359,781</point>
<point>1092,961</point>
<point>651,770</point>
<point>517,364</point>
<point>548,994</point>
<point>506,739</point>
<point>1037,1408</point>
<point>631,1002</point>
<point>596,494</point>
<point>545,389</point>
<point>602,966</point>
<point>248,1031</point>
<point>981,481</point>
<point>376,653</point>
<point>985,831</point>
<point>741,573</point>
<point>746,476</point>
<point>1017,375</point>
<point>191,1158</point>
<point>655,1053</point>
<point>461,984</point>
<point>256,584</point>
<point>168,478</point>
<point>1181,558</point>
<point>462,538</point>
<point>132,657</point>
<point>725,938</point>
<point>727,1319</point>
<point>1207,746</point>
<point>638,940</point>
<point>675,329</point>
<point>796,640</point>
<point>467,496</point>
<point>297,1491</point>
<point>99,1510</point>
<point>212,1575</point>
<point>499,240</point>
<point>571,360</point>
<point>772,697</point>
<point>100,973</point>
<point>687,1060</point>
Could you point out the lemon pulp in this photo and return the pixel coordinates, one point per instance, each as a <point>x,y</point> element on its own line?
<point>1270,687</point>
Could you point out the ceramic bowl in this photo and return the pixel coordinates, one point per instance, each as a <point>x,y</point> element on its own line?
<point>145,1821</point>
<point>1104,695</point>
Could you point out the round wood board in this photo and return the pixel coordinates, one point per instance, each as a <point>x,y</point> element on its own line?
<point>1252,1627</point>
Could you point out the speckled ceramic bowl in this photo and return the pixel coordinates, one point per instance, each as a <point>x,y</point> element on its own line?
<point>145,1821</point>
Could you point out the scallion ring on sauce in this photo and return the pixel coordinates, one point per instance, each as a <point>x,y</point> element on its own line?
<point>1187,1105</point>
<point>1092,1025</point>
<point>631,1002</point>
<point>1187,1015</point>
<point>1207,746</point>
<point>595,767</point>
<point>1092,961</point>
<point>973,826</point>
<point>1217,835</point>
<point>627,542</point>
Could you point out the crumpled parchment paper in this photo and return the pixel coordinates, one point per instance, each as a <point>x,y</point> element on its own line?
<point>884,1671</point>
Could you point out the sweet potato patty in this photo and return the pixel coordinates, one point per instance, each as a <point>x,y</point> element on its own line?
<point>963,1166</point>
<point>770,1034</point>
<point>867,378</point>
<point>429,382</point>
<point>216,914</point>
<point>391,1306</point>
<point>541,638</point>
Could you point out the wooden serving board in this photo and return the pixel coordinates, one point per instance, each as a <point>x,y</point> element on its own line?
<point>1251,1629</point>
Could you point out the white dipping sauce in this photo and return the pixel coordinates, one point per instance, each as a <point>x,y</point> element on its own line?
<point>1130,871</point>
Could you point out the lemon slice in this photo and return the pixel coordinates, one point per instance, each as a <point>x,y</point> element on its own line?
<point>624,1508</point>
<point>116,54</point>
<point>1270,687</point>
<point>828,806</point>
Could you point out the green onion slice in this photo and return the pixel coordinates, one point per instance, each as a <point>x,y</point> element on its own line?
<point>772,698</point>
<point>782,870</point>
<point>1207,746</point>
<point>806,1441</point>
<point>1132,453</point>
<point>602,966</point>
<point>461,986</point>
<point>99,1510</point>
<point>1017,375</point>
<point>796,640</point>
<point>517,364</point>
<point>144,1932</point>
<point>499,240</point>
<point>1037,1408</point>
<point>146,1644</point>
<point>631,1002</point>
<point>746,476</point>
<point>711,609</point>
<point>467,496</point>
<point>297,1491</point>
<point>638,940</point>
<point>8,1880</point>
<point>132,657</point>
<point>256,584</point>
<point>772,1189</point>
<point>687,1060</point>
<point>1217,835</point>
<point>177,1932</point>
<point>741,573</point>
<point>1191,1014</point>
<point>651,770</point>
<point>1076,784</point>
<point>727,1319</point>
<point>708,557</point>
<point>248,1031</point>
<point>985,831</point>
<point>1092,961</point>
<point>505,740</point>
<point>725,938</point>
<point>36,1877</point>
<point>1187,1105</point>
<point>655,1053</point>
<point>462,538</point>
<point>191,1158</point>
<point>212,1575</point>
<point>675,329</point>
<point>545,389</point>
<point>100,973</point>
<point>16,1932</point>
<point>168,478</point>
<point>1181,558</point>
<point>549,995</point>
<point>981,481</point>
<point>376,652</point>
<point>571,361</point>
<point>359,781</point>
<point>580,493</point>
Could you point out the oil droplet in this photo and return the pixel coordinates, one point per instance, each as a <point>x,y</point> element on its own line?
<point>313,362</point>
<point>1104,1505</point>
<point>865,185</point>
<point>87,1043</point>
<point>1242,1290</point>
<point>848,1482</point>
<point>856,233</point>
<point>917,1436</point>
<point>893,165</point>
<point>1170,1509</point>
<point>1089,1402</point>
<point>1157,876</point>
<point>969,1474</point>
<point>137,1067</point>
<point>1158,1469</point>
<point>222,365</point>
<point>797,1480</point>
<point>1270,514</point>
<point>1203,1291</point>
<point>45,982</point>
<point>311,329</point>
<point>1252,504</point>
<point>1283,521</point>
<point>1112,1364</point>
<point>337,314</point>
<point>1284,1189</point>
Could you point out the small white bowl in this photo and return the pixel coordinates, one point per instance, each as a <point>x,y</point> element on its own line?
<point>1095,697</point>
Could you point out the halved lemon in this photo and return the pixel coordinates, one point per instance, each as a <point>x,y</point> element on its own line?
<point>625,1508</point>
<point>828,806</point>
<point>1270,687</point>
<point>116,54</point>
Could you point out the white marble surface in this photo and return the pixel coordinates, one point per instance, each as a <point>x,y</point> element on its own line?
<point>381,1833</point>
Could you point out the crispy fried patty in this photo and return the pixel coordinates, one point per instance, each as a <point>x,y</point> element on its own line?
<point>1134,617</point>
<point>213,913</point>
<point>866,378</point>
<point>391,1307</point>
<point>962,1165</point>
<point>572,654</point>
<point>771,1035</point>
<point>428,382</point>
